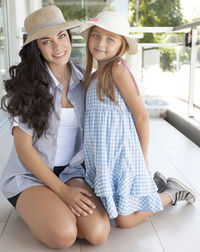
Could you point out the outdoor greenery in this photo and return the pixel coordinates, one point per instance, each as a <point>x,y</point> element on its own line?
<point>151,13</point>
<point>158,13</point>
<point>75,11</point>
<point>167,56</point>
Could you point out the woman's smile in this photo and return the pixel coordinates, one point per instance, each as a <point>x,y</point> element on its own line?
<point>59,55</point>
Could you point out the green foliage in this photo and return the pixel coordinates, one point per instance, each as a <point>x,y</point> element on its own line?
<point>75,11</point>
<point>184,55</point>
<point>167,56</point>
<point>156,13</point>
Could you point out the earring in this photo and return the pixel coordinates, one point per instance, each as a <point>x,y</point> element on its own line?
<point>39,53</point>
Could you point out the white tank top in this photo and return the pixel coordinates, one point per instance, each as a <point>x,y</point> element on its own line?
<point>66,138</point>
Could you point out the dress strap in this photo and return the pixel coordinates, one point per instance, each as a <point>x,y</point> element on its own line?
<point>122,61</point>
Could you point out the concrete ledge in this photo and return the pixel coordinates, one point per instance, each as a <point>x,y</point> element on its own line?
<point>185,125</point>
<point>153,113</point>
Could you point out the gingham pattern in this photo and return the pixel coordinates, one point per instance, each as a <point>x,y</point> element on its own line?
<point>115,166</point>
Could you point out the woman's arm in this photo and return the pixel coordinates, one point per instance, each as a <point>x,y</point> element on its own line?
<point>75,198</point>
<point>129,92</point>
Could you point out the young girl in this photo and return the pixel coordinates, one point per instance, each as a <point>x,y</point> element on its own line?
<point>116,132</point>
<point>44,178</point>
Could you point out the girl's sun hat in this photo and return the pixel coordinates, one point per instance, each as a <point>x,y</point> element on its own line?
<point>113,22</point>
<point>45,21</point>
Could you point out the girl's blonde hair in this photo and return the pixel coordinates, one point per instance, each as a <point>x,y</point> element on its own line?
<point>105,81</point>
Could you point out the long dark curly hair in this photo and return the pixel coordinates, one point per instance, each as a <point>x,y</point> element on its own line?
<point>27,91</point>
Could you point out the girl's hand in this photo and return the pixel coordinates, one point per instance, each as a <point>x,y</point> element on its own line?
<point>77,200</point>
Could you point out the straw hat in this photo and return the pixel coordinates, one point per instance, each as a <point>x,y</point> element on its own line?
<point>113,22</point>
<point>44,21</point>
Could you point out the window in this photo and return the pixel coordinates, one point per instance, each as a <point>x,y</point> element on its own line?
<point>3,49</point>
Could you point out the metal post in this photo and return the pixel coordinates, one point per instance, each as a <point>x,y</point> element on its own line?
<point>7,42</point>
<point>137,12</point>
<point>192,72</point>
<point>177,58</point>
<point>86,8</point>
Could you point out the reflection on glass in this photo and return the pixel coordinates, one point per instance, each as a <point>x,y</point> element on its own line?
<point>2,51</point>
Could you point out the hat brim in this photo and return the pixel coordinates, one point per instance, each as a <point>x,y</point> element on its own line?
<point>132,43</point>
<point>52,29</point>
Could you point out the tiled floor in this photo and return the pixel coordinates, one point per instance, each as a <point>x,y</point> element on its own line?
<point>175,229</point>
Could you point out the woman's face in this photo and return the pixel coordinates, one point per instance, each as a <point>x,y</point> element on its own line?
<point>55,48</point>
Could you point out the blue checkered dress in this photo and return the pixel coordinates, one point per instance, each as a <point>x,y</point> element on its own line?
<point>115,166</point>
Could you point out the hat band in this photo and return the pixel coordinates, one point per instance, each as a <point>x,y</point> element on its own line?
<point>50,23</point>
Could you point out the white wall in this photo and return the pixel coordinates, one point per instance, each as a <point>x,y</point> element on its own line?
<point>121,6</point>
<point>151,57</point>
<point>33,5</point>
<point>17,10</point>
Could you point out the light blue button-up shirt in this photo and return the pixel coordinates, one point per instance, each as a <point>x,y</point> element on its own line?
<point>16,177</point>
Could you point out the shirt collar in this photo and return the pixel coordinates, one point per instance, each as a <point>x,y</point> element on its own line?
<point>52,75</point>
<point>76,75</point>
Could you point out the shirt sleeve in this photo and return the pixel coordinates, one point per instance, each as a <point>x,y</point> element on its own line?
<point>16,122</point>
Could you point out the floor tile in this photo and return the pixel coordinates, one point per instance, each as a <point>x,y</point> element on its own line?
<point>194,179</point>
<point>178,227</point>
<point>5,208</point>
<point>155,151</point>
<point>175,229</point>
<point>188,163</point>
<point>17,237</point>
<point>2,224</point>
<point>171,139</point>
<point>141,238</point>
<point>160,124</point>
<point>181,152</point>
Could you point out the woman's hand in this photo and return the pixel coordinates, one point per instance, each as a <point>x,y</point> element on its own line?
<point>77,200</point>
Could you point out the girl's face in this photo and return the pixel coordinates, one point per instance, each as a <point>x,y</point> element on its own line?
<point>55,48</point>
<point>103,44</point>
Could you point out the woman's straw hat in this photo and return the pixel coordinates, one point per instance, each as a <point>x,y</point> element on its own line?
<point>113,22</point>
<point>44,21</point>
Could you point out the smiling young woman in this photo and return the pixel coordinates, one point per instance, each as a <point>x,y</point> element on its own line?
<point>44,178</point>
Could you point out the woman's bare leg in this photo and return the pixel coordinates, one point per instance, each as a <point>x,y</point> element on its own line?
<point>47,216</point>
<point>127,221</point>
<point>94,227</point>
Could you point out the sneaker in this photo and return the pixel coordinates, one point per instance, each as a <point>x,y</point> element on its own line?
<point>178,191</point>
<point>160,181</point>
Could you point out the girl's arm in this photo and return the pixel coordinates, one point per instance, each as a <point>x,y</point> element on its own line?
<point>129,91</point>
<point>76,198</point>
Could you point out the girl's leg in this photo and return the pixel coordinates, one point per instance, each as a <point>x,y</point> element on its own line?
<point>95,227</point>
<point>175,191</point>
<point>47,216</point>
<point>127,221</point>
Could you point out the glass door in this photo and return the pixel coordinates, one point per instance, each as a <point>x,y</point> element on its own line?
<point>3,49</point>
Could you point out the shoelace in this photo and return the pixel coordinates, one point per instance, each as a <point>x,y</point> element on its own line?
<point>181,195</point>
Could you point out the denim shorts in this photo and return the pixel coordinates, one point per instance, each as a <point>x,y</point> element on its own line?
<point>57,170</point>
